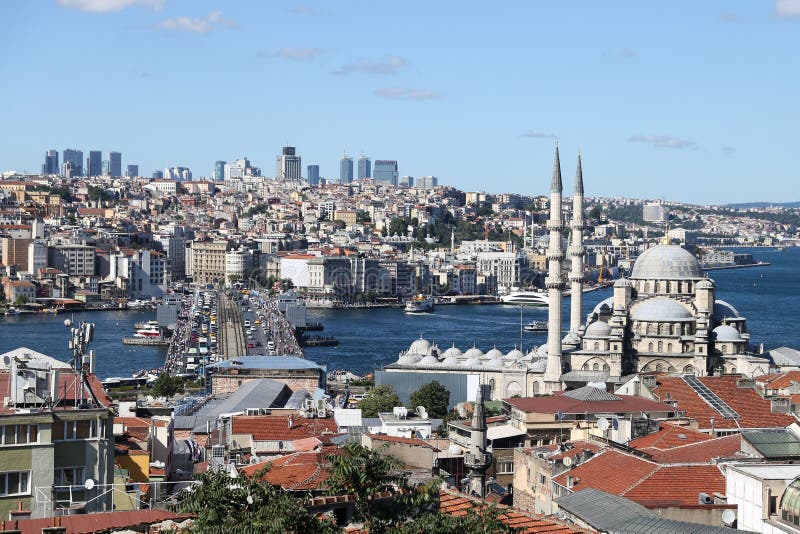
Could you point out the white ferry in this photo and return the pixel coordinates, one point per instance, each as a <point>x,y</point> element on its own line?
<point>419,304</point>
<point>526,298</point>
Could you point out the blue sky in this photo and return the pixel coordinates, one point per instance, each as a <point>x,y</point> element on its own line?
<point>685,100</point>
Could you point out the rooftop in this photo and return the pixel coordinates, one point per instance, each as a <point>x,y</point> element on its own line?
<point>267,362</point>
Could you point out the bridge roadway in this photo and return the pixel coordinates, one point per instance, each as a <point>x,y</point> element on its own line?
<point>231,331</point>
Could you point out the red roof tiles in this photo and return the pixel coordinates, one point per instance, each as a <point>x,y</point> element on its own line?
<point>565,404</point>
<point>669,436</point>
<point>298,471</point>
<point>701,452</point>
<point>276,427</point>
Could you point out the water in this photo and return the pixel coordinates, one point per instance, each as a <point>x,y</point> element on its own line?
<point>769,297</point>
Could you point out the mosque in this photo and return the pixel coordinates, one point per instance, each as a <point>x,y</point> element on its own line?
<point>664,317</point>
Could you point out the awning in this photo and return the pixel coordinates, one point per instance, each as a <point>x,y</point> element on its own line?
<point>502,431</point>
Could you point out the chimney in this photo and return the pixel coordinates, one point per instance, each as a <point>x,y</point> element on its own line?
<point>19,513</point>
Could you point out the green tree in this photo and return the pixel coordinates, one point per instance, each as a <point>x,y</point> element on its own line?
<point>480,519</point>
<point>379,399</point>
<point>167,385</point>
<point>224,504</point>
<point>20,300</point>
<point>434,397</point>
<point>365,473</point>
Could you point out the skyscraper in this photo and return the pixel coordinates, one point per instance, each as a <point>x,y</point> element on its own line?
<point>312,175</point>
<point>386,171</point>
<point>219,170</point>
<point>115,164</point>
<point>50,162</point>
<point>364,168</point>
<point>288,165</point>
<point>346,169</point>
<point>105,168</point>
<point>73,161</point>
<point>94,163</point>
<point>406,181</point>
<point>132,171</point>
<point>427,182</point>
<point>158,175</point>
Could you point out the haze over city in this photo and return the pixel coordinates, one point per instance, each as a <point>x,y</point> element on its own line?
<point>688,101</point>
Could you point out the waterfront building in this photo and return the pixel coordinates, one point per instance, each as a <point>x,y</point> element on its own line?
<point>94,163</point>
<point>219,170</point>
<point>205,262</point>
<point>346,169</point>
<point>132,171</point>
<point>364,168</point>
<point>312,174</point>
<point>174,246</point>
<point>72,163</point>
<point>288,165</point>
<point>56,434</point>
<point>385,171</point>
<point>15,252</point>
<point>50,165</point>
<point>115,164</point>
<point>510,269</point>
<point>71,259</point>
<point>37,256</point>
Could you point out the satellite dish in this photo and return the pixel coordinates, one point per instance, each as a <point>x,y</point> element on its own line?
<point>89,484</point>
<point>602,424</point>
<point>728,517</point>
<point>567,461</point>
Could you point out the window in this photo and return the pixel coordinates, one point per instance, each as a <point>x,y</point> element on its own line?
<point>542,479</point>
<point>773,504</point>
<point>72,430</point>
<point>18,434</point>
<point>505,468</point>
<point>69,476</point>
<point>15,483</point>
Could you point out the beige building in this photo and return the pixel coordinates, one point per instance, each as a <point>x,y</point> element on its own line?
<point>207,262</point>
<point>15,252</point>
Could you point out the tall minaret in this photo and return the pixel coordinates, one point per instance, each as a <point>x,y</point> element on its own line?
<point>554,281</point>
<point>576,252</point>
<point>478,460</point>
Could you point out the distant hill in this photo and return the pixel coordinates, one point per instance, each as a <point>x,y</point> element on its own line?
<point>746,205</point>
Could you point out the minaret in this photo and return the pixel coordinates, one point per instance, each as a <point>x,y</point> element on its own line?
<point>478,460</point>
<point>576,253</point>
<point>554,281</point>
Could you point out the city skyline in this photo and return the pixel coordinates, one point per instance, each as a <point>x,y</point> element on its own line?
<point>692,103</point>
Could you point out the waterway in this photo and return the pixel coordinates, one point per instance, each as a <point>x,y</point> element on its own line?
<point>769,297</point>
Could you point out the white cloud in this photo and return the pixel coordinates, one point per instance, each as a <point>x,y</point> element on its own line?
<point>662,141</point>
<point>406,93</point>
<point>539,135</point>
<point>196,25</point>
<point>390,65</point>
<point>293,53</point>
<point>787,8</point>
<point>107,6</point>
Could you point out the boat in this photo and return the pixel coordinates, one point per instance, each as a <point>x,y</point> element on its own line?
<point>536,326</point>
<point>148,329</point>
<point>526,298</point>
<point>419,304</point>
<point>12,311</point>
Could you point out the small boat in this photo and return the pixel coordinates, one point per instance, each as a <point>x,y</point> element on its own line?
<point>148,329</point>
<point>419,304</point>
<point>12,311</point>
<point>536,326</point>
<point>526,298</point>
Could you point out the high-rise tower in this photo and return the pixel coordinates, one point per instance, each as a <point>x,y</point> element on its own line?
<point>364,168</point>
<point>346,169</point>
<point>554,281</point>
<point>576,253</point>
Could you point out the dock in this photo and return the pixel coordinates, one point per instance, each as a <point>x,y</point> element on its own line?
<point>146,341</point>
<point>318,341</point>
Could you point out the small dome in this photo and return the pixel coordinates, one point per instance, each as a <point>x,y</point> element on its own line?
<point>420,346</point>
<point>450,360</point>
<point>453,351</point>
<point>571,339</point>
<point>408,359</point>
<point>474,352</point>
<point>705,283</point>
<point>494,353</point>
<point>515,354</point>
<point>722,310</point>
<point>542,350</point>
<point>666,262</point>
<point>607,303</point>
<point>598,329</point>
<point>623,282</point>
<point>726,332</point>
<point>429,360</point>
<point>494,362</point>
<point>473,362</point>
<point>661,309</point>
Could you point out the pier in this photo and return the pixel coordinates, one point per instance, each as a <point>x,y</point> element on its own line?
<point>146,341</point>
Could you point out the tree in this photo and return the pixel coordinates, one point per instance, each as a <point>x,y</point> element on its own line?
<point>364,474</point>
<point>379,399</point>
<point>167,385</point>
<point>244,504</point>
<point>434,397</point>
<point>478,519</point>
<point>20,300</point>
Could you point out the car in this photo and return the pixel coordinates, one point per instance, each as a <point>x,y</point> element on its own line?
<point>251,346</point>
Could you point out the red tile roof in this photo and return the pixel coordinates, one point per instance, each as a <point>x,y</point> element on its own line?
<point>701,452</point>
<point>551,404</point>
<point>677,485</point>
<point>669,436</point>
<point>102,522</point>
<point>754,410</point>
<point>276,427</point>
<point>610,470</point>
<point>456,504</point>
<point>298,471</point>
<point>779,380</point>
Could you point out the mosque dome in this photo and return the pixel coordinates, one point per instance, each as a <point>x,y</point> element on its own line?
<point>515,354</point>
<point>429,360</point>
<point>473,362</point>
<point>420,346</point>
<point>408,359</point>
<point>598,329</point>
<point>542,350</point>
<point>494,362</point>
<point>493,353</point>
<point>660,309</point>
<point>453,351</point>
<point>722,310</point>
<point>571,339</point>
<point>450,360</point>
<point>666,262</point>
<point>726,332</point>
<point>607,303</point>
<point>474,352</point>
